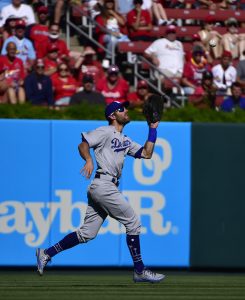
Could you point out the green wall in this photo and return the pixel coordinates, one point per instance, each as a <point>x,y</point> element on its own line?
<point>218,197</point>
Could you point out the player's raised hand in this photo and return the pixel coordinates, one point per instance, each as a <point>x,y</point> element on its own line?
<point>88,168</point>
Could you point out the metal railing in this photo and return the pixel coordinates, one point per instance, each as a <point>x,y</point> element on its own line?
<point>160,75</point>
<point>90,24</point>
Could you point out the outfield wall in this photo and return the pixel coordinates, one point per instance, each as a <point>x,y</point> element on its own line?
<point>189,196</point>
<point>218,197</point>
<point>43,196</point>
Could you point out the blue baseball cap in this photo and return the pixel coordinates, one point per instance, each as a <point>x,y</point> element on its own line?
<point>113,106</point>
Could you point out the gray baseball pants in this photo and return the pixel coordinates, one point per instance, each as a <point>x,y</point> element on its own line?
<point>105,199</point>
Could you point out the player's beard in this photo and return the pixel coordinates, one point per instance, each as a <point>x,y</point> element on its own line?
<point>123,120</point>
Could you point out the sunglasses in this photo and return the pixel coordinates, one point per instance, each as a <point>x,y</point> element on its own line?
<point>121,109</point>
<point>63,69</point>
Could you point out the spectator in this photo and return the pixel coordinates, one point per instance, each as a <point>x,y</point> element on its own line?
<point>113,87</point>
<point>139,23</point>
<point>3,84</point>
<point>38,87</point>
<point>230,40</point>
<point>236,100</point>
<point>88,94</point>
<point>207,33</point>
<point>25,50</point>
<point>196,42</point>
<point>64,85</point>
<point>16,8</point>
<point>51,61</point>
<point>167,54</point>
<point>59,7</point>
<point>193,71</point>
<point>54,38</point>
<point>39,32</point>
<point>14,73</point>
<point>241,72</point>
<point>87,65</point>
<point>158,12</point>
<point>9,27</point>
<point>204,96</point>
<point>137,98</point>
<point>114,23</point>
<point>224,74</point>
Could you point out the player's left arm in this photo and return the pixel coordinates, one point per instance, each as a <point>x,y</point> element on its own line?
<point>148,148</point>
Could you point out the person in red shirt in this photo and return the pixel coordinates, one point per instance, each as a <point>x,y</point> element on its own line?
<point>51,61</point>
<point>53,38</point>
<point>137,98</point>
<point>14,74</point>
<point>39,32</point>
<point>87,65</point>
<point>113,87</point>
<point>205,94</point>
<point>139,23</point>
<point>64,85</point>
<point>193,71</point>
<point>3,85</point>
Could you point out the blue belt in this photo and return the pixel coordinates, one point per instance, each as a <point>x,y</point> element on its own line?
<point>107,177</point>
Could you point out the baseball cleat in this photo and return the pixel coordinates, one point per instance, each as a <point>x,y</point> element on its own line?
<point>42,260</point>
<point>148,276</point>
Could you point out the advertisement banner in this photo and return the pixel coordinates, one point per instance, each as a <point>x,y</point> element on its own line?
<point>43,195</point>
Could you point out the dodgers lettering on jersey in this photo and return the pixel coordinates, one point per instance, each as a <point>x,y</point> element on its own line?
<point>117,145</point>
<point>110,148</point>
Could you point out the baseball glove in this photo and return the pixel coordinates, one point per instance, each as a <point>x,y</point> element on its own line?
<point>153,109</point>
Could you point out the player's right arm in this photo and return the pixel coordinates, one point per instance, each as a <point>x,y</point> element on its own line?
<point>92,139</point>
<point>84,151</point>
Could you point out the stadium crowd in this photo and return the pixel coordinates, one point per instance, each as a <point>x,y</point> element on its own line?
<point>36,65</point>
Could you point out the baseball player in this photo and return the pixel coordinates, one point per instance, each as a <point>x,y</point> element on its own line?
<point>110,147</point>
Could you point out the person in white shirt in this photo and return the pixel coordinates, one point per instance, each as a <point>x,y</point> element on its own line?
<point>167,54</point>
<point>23,11</point>
<point>224,74</point>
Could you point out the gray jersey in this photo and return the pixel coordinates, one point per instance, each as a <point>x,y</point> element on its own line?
<point>110,148</point>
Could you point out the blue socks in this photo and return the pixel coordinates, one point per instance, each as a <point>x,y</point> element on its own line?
<point>67,242</point>
<point>133,242</point>
<point>71,240</point>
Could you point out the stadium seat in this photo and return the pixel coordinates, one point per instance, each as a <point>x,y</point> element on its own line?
<point>187,31</point>
<point>134,47</point>
<point>201,14</point>
<point>183,14</point>
<point>139,47</point>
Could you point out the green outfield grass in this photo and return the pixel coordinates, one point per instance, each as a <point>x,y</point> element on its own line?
<point>115,285</point>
